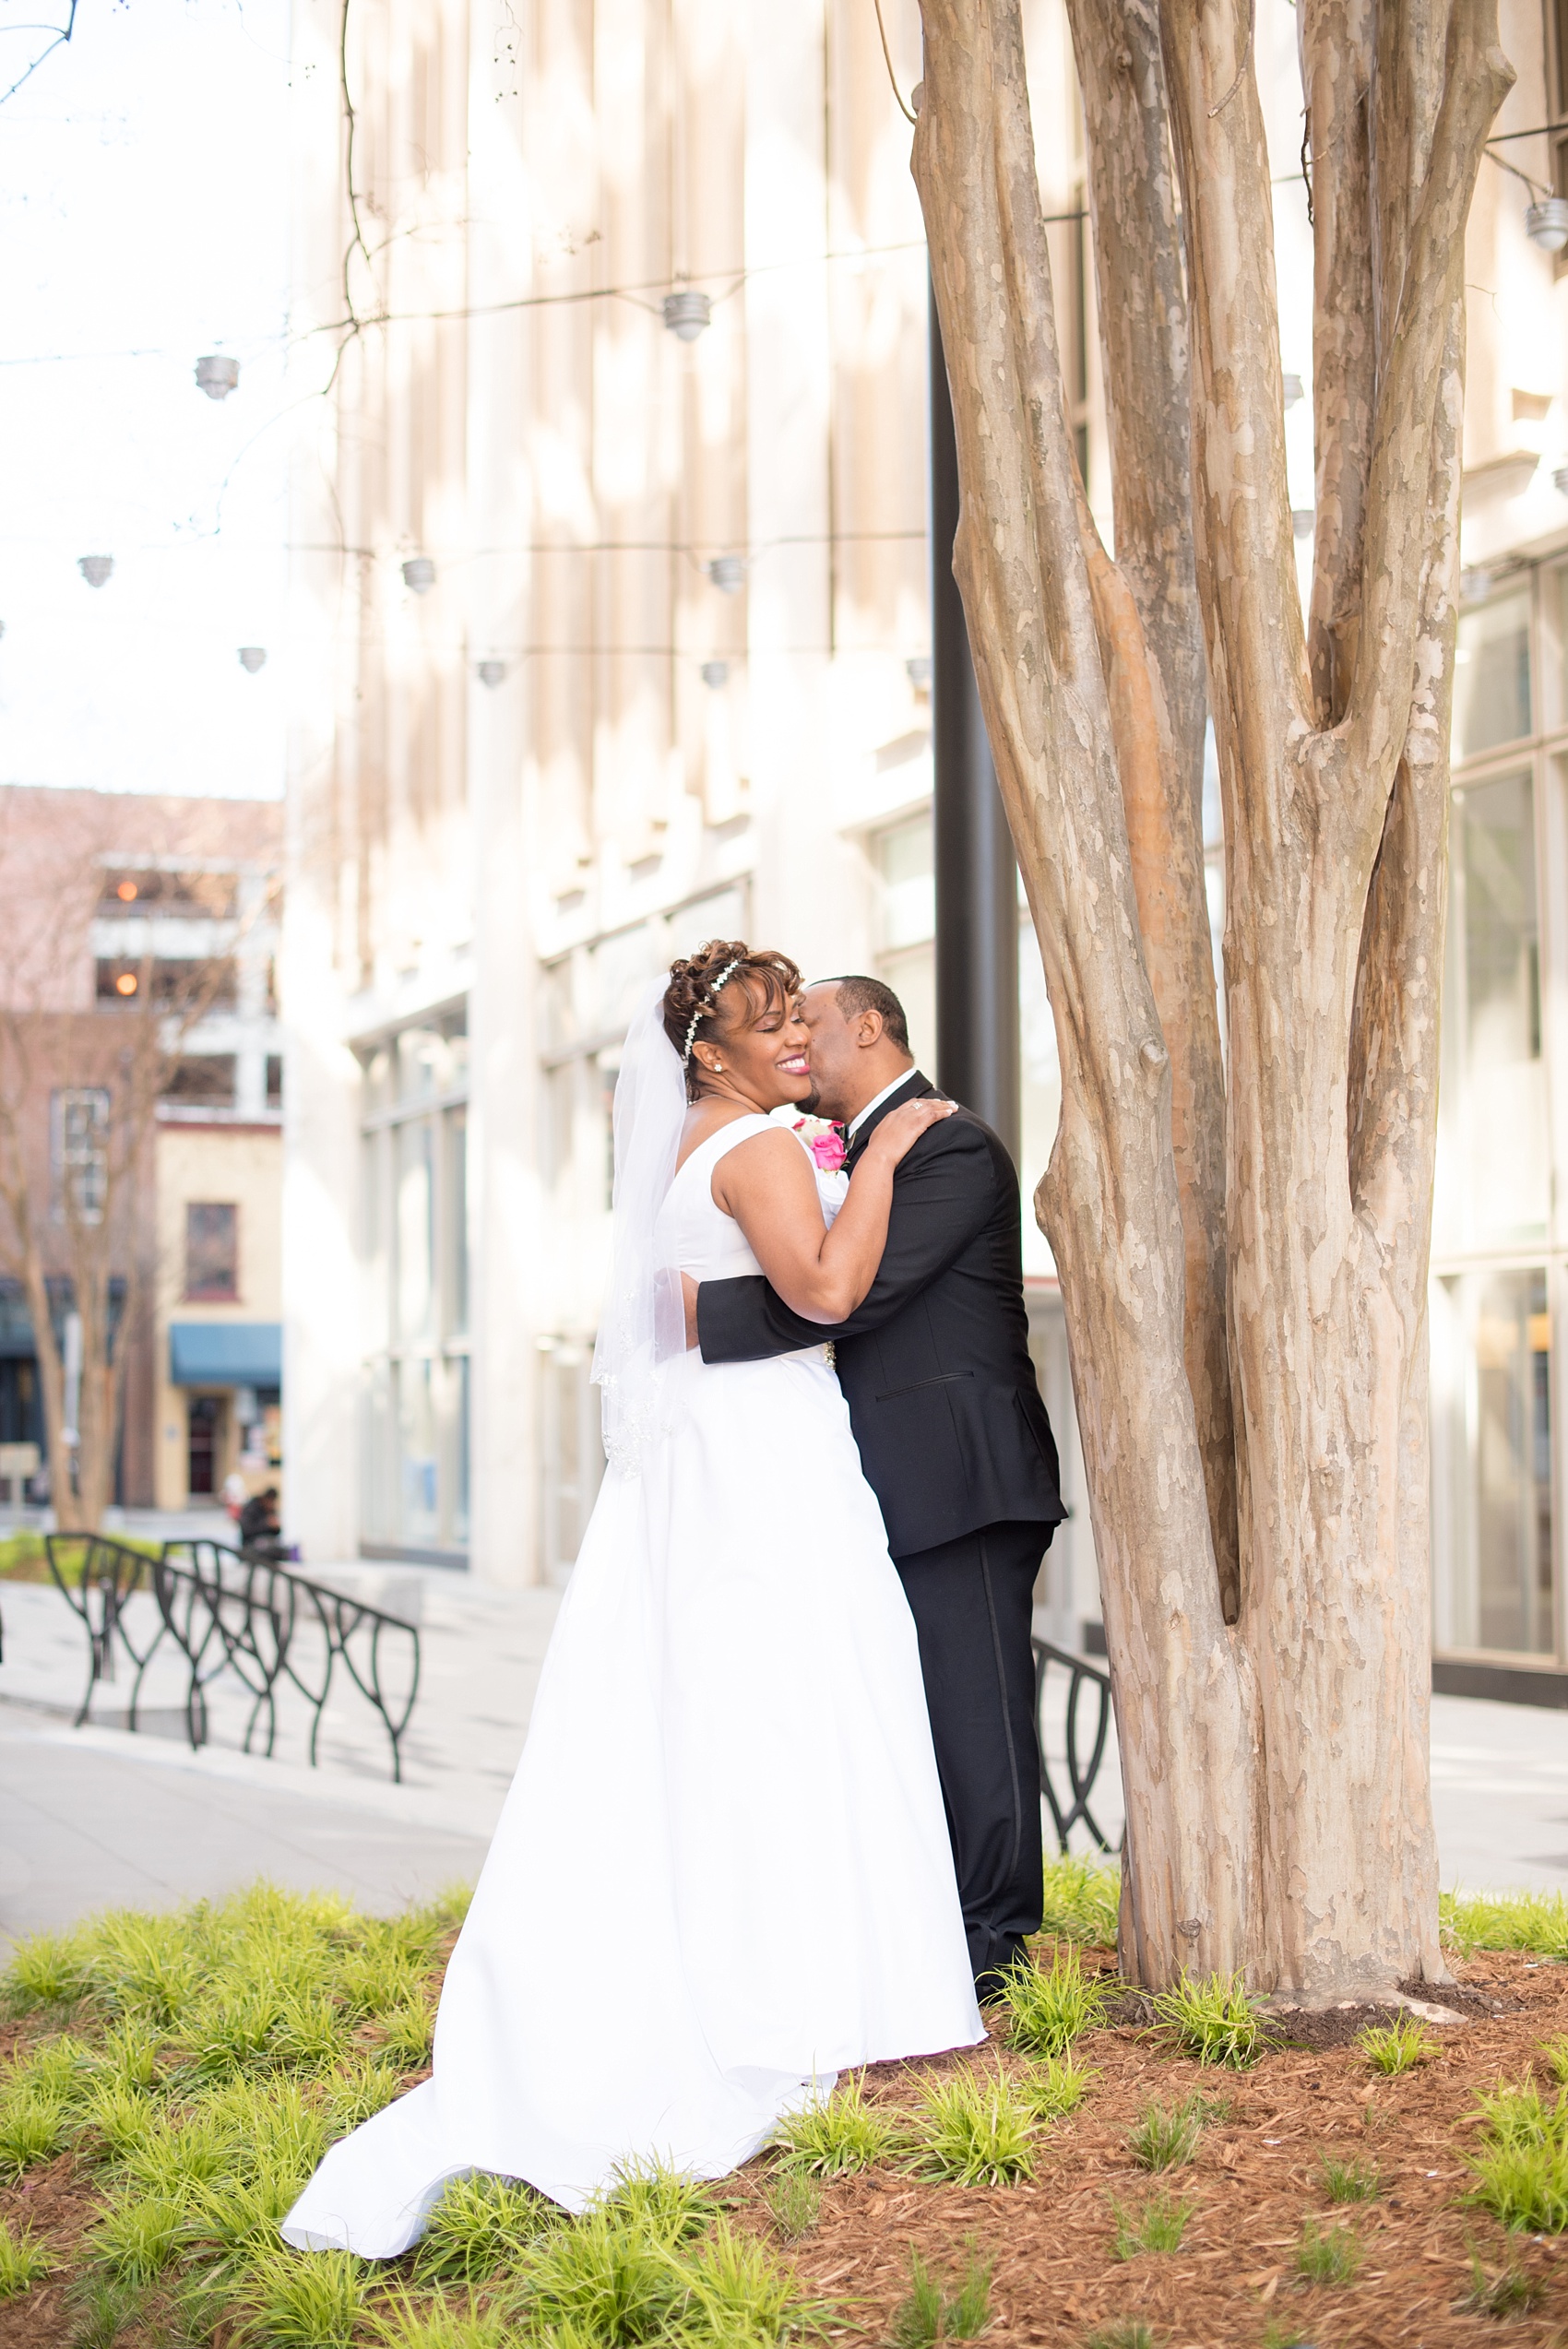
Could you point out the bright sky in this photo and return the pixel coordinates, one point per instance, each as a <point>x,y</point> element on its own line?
<point>143,221</point>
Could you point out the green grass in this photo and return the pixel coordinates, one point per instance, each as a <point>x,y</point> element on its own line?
<point>1521,2169</point>
<point>1082,1897</point>
<point>296,2303</point>
<point>137,2235</point>
<point>482,2227</point>
<point>406,2323</point>
<point>1166,2136</point>
<point>1352,2181</point>
<point>1123,2333</point>
<point>1158,2225</point>
<point>974,2129</point>
<point>1213,2021</point>
<point>1534,1921</point>
<point>1507,2291</point>
<point>1055,2088</point>
<point>793,2202</point>
<point>24,2260</point>
<point>832,2135</point>
<point>1397,2047</point>
<point>1047,2011</point>
<point>1328,2254</point>
<point>931,2314</point>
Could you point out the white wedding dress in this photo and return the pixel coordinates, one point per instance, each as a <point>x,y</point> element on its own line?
<point>722,1873</point>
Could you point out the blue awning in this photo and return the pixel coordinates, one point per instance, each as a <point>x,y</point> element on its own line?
<point>226,1354</point>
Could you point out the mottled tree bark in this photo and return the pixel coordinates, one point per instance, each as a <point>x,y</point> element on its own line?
<point>1153,663</point>
<point>1109,1200</point>
<point>1277,1776</point>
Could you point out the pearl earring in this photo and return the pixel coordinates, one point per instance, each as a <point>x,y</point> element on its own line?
<point>717,1068</point>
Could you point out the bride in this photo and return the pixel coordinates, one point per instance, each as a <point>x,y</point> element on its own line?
<point>722,1873</point>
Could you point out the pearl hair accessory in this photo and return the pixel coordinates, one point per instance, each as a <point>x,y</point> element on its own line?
<point>707,1005</point>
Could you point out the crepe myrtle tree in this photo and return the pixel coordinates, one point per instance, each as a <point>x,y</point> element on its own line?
<point>1243,1248</point>
<point>80,1081</point>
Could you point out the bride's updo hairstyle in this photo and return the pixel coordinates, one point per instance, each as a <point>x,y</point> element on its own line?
<point>770,981</point>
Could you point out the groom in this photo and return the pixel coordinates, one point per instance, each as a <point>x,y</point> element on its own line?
<point>953,1437</point>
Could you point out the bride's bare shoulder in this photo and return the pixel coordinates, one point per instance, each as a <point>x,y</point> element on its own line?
<point>704,1119</point>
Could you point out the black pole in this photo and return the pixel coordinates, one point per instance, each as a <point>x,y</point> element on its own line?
<point>976,901</point>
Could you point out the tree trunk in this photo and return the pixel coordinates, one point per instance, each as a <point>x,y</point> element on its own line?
<point>1109,1201</point>
<point>1276,1780</point>
<point>1158,686</point>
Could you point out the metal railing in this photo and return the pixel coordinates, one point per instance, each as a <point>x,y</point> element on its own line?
<point>1070,1806</point>
<point>225,1611</point>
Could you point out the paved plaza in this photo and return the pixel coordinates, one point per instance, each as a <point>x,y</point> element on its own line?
<point>101,1817</point>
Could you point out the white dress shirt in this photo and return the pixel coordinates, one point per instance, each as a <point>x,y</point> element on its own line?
<point>875,1103</point>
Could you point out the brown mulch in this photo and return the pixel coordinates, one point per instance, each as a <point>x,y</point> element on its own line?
<point>1253,2183</point>
<point>1254,2179</point>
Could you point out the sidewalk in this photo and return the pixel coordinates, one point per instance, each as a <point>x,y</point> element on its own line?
<point>98,1817</point>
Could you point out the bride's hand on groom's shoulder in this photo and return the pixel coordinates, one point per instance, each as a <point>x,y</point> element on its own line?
<point>896,1133</point>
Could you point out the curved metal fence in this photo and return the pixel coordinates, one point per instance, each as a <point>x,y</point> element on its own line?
<point>1089,1718</point>
<point>222,1611</point>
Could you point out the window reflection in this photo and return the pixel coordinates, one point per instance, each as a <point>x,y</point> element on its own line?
<point>1492,1339</point>
<point>1491,675</point>
<point>1494,1173</point>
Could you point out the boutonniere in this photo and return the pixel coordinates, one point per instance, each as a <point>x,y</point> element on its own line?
<point>825,1140</point>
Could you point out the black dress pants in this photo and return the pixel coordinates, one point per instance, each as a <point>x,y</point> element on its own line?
<point>972,1601</point>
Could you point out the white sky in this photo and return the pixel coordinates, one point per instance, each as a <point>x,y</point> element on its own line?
<point>143,209</point>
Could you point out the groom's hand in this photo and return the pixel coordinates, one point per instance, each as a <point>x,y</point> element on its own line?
<point>689,1293</point>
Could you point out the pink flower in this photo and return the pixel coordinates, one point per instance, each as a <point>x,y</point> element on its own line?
<point>827,1148</point>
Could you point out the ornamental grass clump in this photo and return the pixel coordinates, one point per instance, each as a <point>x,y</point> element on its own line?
<point>737,2296</point>
<point>1352,2181</point>
<point>294,2303</point>
<point>406,2323</point>
<point>1047,2011</point>
<point>1507,2291</point>
<point>1213,2021</point>
<point>974,2129</point>
<point>1521,2171</point>
<point>1055,2088</point>
<point>930,2313</point>
<point>832,2135</point>
<point>1397,2047</point>
<point>668,2204</point>
<point>793,2202</point>
<point>1328,2254</point>
<point>24,2260</point>
<point>1164,2137</point>
<point>1082,1900</point>
<point>1157,2225</point>
<point>481,2228</point>
<point>136,2237</point>
<point>613,2281</point>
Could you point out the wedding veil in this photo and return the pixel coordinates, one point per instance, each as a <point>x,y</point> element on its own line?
<point>643,1326</point>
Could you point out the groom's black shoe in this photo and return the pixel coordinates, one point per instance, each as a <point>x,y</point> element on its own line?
<point>991,1979</point>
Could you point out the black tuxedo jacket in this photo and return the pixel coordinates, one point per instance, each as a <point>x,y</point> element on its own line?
<point>934,1361</point>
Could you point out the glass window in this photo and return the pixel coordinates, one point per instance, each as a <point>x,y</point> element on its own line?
<point>79,1137</point>
<point>212,1252</point>
<point>906,868</point>
<point>1492,1342</point>
<point>1491,675</point>
<point>1494,1167</point>
<point>415,1410</point>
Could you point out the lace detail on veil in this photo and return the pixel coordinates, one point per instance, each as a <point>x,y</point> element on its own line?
<point>642,1330</point>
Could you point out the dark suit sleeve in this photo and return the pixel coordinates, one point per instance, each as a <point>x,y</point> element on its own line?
<point>942,1193</point>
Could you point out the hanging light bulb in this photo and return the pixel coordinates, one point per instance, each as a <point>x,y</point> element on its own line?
<point>217,375</point>
<point>687,313</point>
<point>490,673</point>
<point>252,658</point>
<point>1546,224</point>
<point>728,573</point>
<point>418,574</point>
<point>96,568</point>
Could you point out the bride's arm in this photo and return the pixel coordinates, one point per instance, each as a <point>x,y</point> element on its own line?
<point>769,1186</point>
